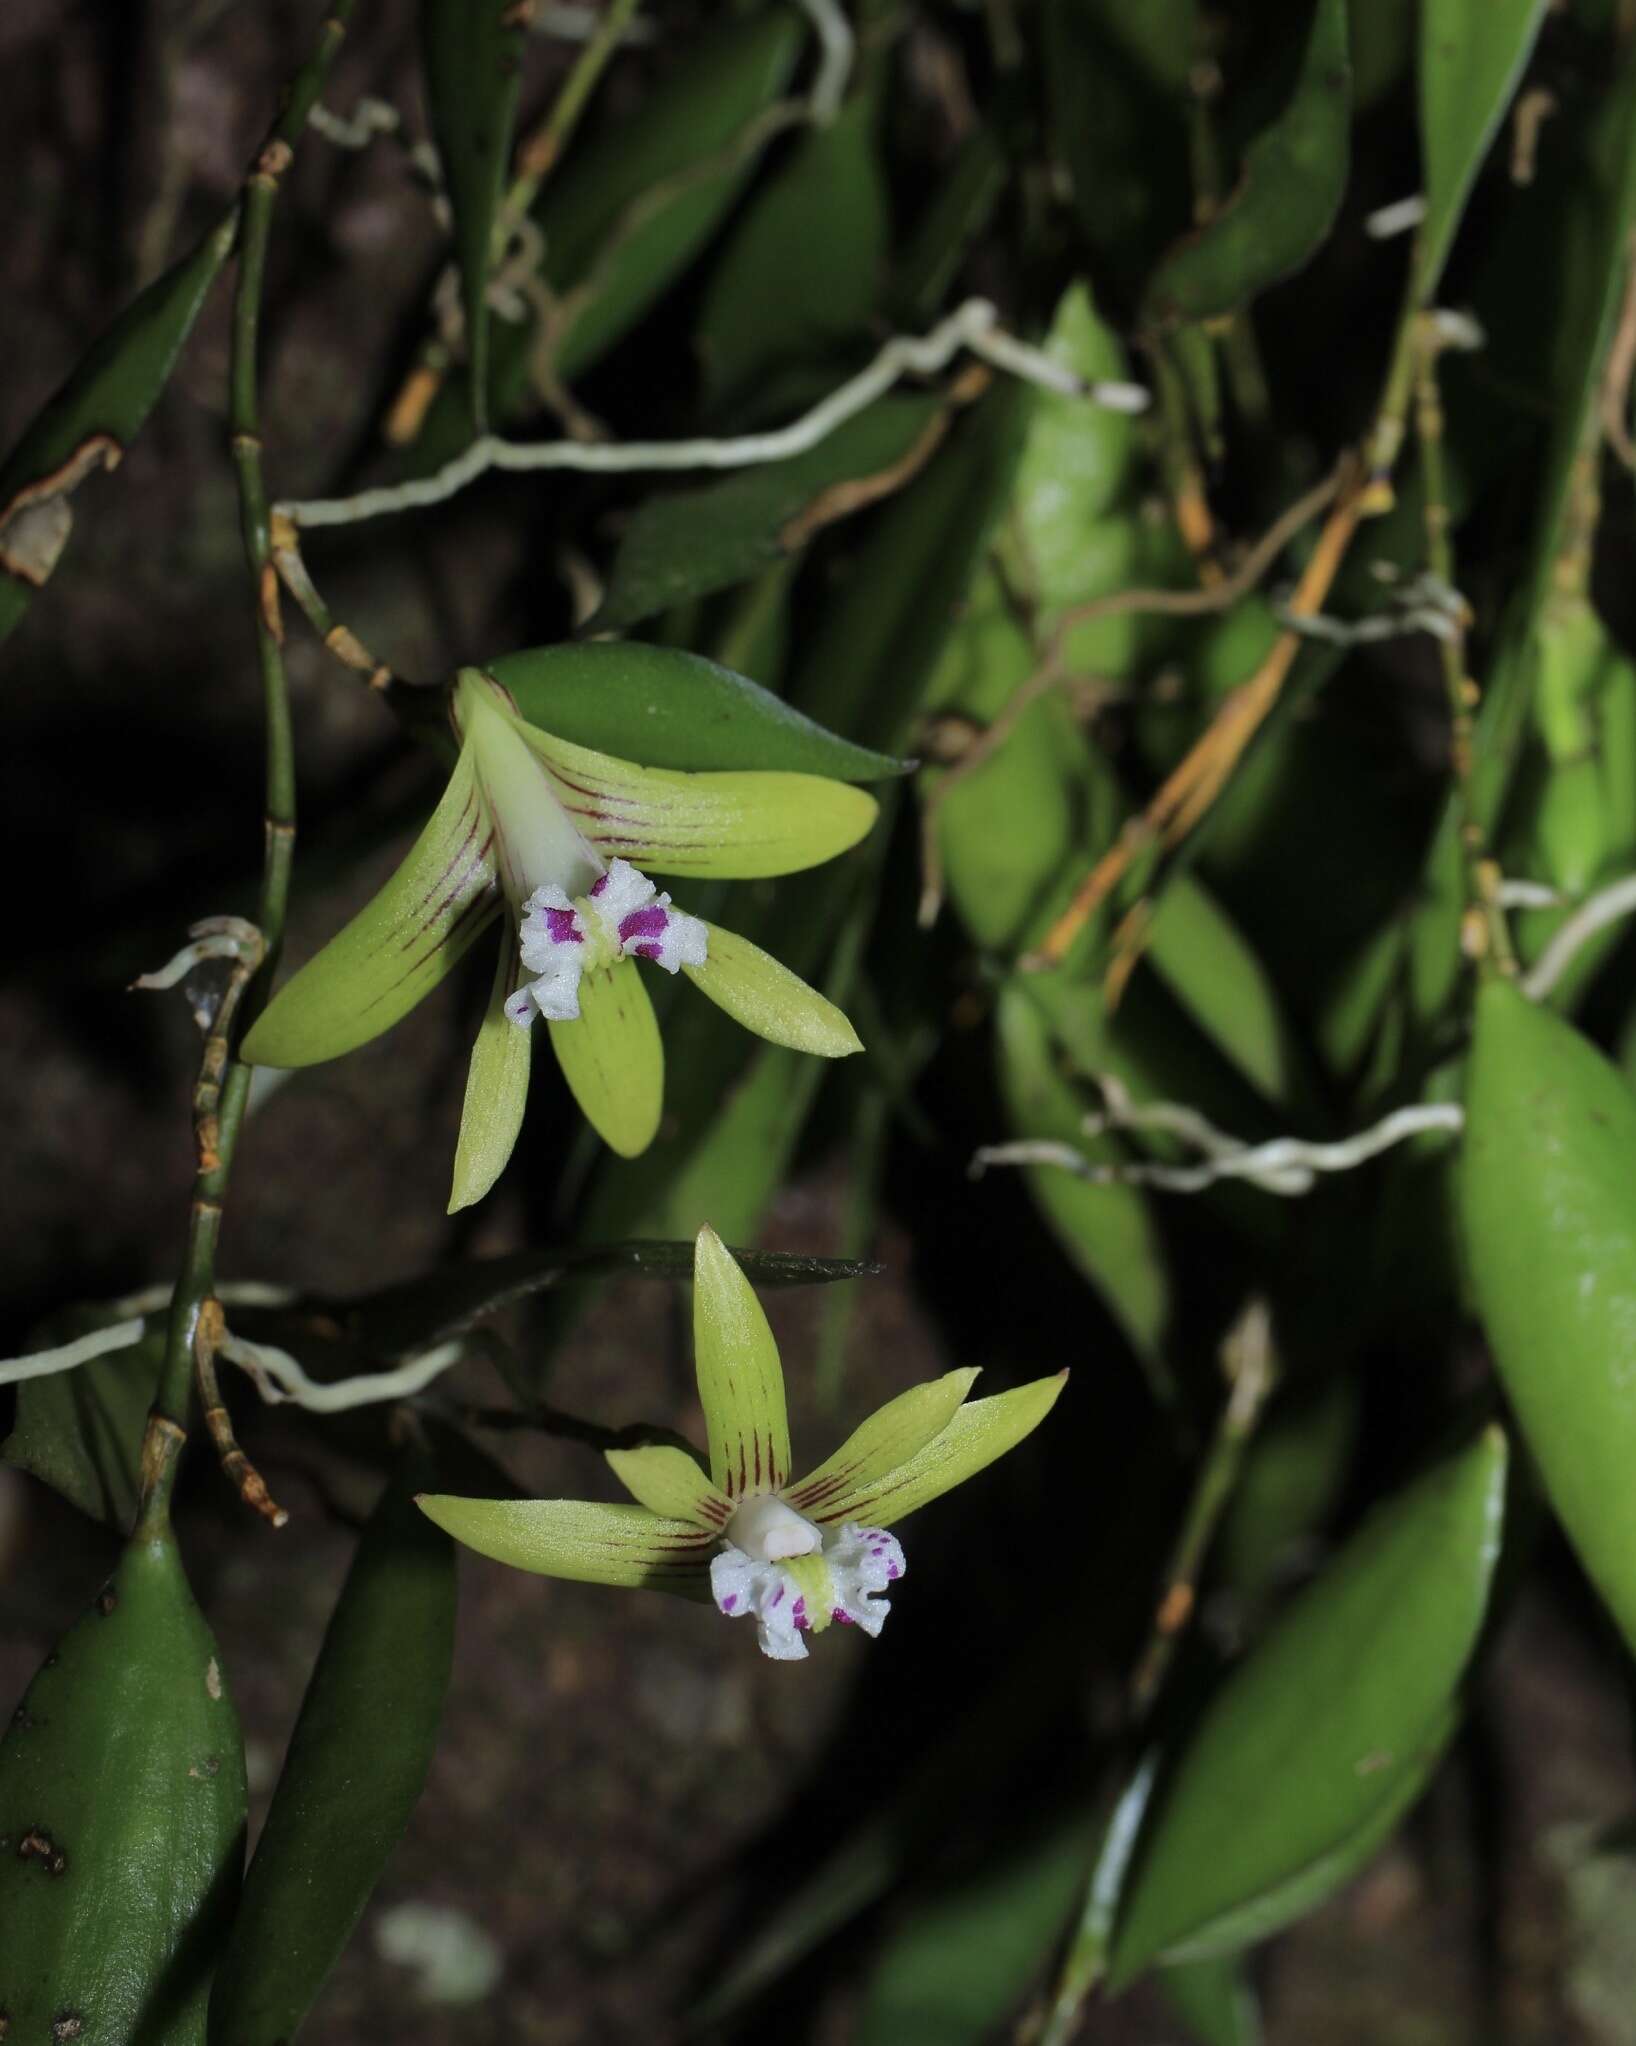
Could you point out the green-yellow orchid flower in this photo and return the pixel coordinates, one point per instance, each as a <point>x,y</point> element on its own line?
<point>553,837</point>
<point>795,1556</point>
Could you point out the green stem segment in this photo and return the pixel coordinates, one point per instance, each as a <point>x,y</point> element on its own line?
<point>1486,935</point>
<point>543,150</point>
<point>224,1082</point>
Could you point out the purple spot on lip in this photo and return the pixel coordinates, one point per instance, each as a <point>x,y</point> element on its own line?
<point>644,923</point>
<point>779,1596</point>
<point>892,1572</point>
<point>600,885</point>
<point>729,1602</point>
<point>840,1613</point>
<point>647,952</point>
<point>798,1612</point>
<point>563,927</point>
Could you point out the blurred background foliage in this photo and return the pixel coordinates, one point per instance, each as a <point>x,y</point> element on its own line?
<point>1278,1689</point>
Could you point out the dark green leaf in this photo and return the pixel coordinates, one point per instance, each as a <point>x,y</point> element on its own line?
<point>471,65</point>
<point>122,1815</point>
<point>356,1767</point>
<point>1286,201</point>
<point>94,418</point>
<point>80,1431</point>
<point>1108,1232</point>
<point>799,278</point>
<point>1319,1740</point>
<point>693,542</point>
<point>423,1312</point>
<point>1472,54</point>
<point>957,214</point>
<point>673,709</point>
<point>1548,1222</point>
<point>630,209</point>
<point>962,1960</point>
<point>1117,80</point>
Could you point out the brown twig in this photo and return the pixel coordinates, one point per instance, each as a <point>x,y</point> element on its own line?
<point>1052,671</point>
<point>1189,790</point>
<point>237,1468</point>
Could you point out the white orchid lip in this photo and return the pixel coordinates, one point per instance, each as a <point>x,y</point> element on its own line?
<point>622,916</point>
<point>838,1575</point>
<point>768,1531</point>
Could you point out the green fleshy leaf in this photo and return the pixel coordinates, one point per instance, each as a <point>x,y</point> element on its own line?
<point>676,710</point>
<point>741,1382</point>
<point>962,1959</point>
<point>352,1776</point>
<point>397,948</point>
<point>1472,54</point>
<point>1215,2000</point>
<point>981,1431</point>
<point>669,1482</point>
<point>770,1000</point>
<point>890,1438</point>
<point>126,1761</point>
<point>574,1538</point>
<point>471,65</point>
<point>1286,201</point>
<point>496,1090</point>
<point>1548,1225</point>
<point>725,827</point>
<point>612,1058</point>
<point>1309,1887</point>
<point>93,419</point>
<point>1318,1739</point>
<point>693,542</point>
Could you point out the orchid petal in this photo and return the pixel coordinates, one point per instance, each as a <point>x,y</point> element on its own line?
<point>574,1538</point>
<point>891,1437</point>
<point>398,947</point>
<point>977,1434</point>
<point>767,998</point>
<point>741,1383</point>
<point>739,825</point>
<point>667,1481</point>
<point>612,1058</point>
<point>496,1090</point>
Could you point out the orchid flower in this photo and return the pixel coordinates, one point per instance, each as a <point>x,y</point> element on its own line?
<point>794,1557</point>
<point>553,838</point>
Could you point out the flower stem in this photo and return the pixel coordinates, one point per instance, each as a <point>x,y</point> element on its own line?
<point>224,1083</point>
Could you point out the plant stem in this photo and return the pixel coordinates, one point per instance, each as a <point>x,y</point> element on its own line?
<point>224,1083</point>
<point>1250,1368</point>
<point>1484,934</point>
<point>543,150</point>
